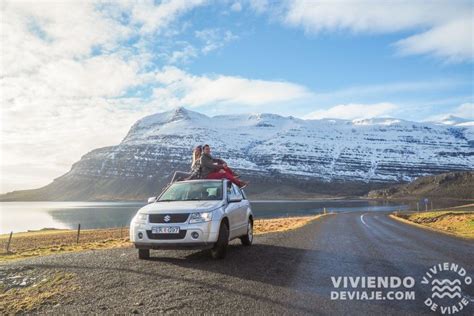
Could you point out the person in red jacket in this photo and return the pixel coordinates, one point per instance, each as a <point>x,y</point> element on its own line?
<point>215,170</point>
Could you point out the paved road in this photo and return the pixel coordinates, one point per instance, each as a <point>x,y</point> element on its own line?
<point>373,244</point>
<point>285,273</point>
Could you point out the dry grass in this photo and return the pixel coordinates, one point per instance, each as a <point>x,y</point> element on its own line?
<point>52,290</point>
<point>264,226</point>
<point>47,242</point>
<point>456,222</point>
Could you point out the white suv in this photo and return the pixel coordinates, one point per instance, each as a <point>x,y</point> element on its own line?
<point>204,214</point>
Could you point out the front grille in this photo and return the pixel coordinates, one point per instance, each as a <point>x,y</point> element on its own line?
<point>180,235</point>
<point>173,218</point>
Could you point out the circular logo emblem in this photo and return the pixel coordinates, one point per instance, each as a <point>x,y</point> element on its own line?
<point>167,218</point>
<point>444,283</point>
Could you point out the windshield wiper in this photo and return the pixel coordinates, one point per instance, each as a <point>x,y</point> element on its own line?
<point>188,200</point>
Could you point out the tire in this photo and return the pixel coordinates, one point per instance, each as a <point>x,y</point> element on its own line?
<point>220,248</point>
<point>143,254</point>
<point>248,239</point>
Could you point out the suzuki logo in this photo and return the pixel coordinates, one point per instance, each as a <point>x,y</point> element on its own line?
<point>167,218</point>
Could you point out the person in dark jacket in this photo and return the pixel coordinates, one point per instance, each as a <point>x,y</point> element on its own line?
<point>195,172</point>
<point>210,169</point>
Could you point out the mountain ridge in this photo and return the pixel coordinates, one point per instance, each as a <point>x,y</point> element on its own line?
<point>288,156</point>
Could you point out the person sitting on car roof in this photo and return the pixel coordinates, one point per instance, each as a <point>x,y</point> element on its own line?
<point>195,167</point>
<point>215,170</point>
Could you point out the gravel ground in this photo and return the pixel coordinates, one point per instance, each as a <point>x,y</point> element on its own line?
<point>282,273</point>
<point>250,280</point>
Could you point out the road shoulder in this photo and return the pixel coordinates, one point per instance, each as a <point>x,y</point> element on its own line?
<point>429,228</point>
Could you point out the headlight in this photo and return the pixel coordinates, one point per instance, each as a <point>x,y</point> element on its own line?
<point>140,218</point>
<point>200,217</point>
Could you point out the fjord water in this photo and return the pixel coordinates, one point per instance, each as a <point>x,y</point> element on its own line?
<point>24,216</point>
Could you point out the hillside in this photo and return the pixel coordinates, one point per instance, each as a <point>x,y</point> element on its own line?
<point>283,157</point>
<point>455,185</point>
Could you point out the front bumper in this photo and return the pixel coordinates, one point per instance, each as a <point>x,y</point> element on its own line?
<point>207,234</point>
<point>183,246</point>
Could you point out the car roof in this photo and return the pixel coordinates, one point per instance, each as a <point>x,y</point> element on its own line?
<point>200,180</point>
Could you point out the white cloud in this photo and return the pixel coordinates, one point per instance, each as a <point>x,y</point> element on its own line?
<point>64,78</point>
<point>183,56</point>
<point>465,110</point>
<point>370,16</point>
<point>153,18</point>
<point>375,90</point>
<point>69,30</point>
<point>41,138</point>
<point>445,26</point>
<point>259,6</point>
<point>214,39</point>
<point>354,111</point>
<point>179,87</point>
<point>236,7</point>
<point>453,41</point>
<point>463,115</point>
<point>65,75</point>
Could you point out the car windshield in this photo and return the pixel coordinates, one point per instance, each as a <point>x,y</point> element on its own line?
<point>193,191</point>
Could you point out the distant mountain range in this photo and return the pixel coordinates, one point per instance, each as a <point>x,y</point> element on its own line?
<point>282,156</point>
<point>454,185</point>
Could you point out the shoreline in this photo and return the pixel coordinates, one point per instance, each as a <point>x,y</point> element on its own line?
<point>6,232</point>
<point>52,241</point>
<point>258,200</point>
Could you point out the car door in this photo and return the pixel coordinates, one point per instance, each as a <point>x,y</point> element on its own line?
<point>233,212</point>
<point>242,211</point>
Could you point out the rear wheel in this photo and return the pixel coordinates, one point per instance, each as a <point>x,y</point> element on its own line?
<point>143,254</point>
<point>220,248</point>
<point>247,239</point>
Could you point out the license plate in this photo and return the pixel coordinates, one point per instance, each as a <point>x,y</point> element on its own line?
<point>165,230</point>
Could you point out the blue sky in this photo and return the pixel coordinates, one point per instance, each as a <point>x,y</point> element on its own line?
<point>82,72</point>
<point>330,62</point>
<point>257,44</point>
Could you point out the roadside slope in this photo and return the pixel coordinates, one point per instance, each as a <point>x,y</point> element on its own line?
<point>456,221</point>
<point>454,185</point>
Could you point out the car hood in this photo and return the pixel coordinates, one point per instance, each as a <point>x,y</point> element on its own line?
<point>180,207</point>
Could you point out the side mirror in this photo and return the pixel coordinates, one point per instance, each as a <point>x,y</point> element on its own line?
<point>152,199</point>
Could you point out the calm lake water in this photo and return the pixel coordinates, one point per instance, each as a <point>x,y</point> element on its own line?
<point>23,216</point>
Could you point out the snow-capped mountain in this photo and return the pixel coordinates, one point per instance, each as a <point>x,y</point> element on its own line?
<point>454,121</point>
<point>382,149</point>
<point>285,151</point>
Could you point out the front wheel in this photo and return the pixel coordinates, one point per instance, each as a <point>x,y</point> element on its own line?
<point>220,248</point>
<point>143,254</point>
<point>247,239</point>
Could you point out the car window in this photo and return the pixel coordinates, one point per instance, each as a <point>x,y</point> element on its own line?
<point>236,191</point>
<point>190,191</point>
<point>243,194</point>
<point>230,191</point>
